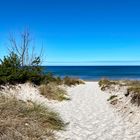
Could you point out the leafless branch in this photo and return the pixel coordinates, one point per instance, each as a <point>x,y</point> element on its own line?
<point>24,48</point>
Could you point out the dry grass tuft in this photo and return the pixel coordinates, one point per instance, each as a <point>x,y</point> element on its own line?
<point>131,83</point>
<point>114,102</point>
<point>134,92</point>
<point>133,89</point>
<point>112,97</point>
<point>27,121</point>
<point>106,84</point>
<point>72,81</point>
<point>53,92</point>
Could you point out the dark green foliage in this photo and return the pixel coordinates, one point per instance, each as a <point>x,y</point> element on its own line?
<point>11,61</point>
<point>11,71</point>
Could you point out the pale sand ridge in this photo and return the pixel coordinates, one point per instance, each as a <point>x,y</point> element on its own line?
<point>91,117</point>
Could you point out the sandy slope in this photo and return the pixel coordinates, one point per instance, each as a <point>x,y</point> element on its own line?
<point>92,117</point>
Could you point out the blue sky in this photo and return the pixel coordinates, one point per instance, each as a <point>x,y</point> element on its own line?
<point>76,32</point>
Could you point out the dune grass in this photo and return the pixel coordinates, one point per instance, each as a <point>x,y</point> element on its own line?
<point>134,92</point>
<point>27,121</point>
<point>133,88</point>
<point>53,92</point>
<point>105,83</point>
<point>72,81</point>
<point>131,83</point>
<point>112,97</point>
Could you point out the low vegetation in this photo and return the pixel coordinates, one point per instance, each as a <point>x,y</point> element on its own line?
<point>20,120</point>
<point>106,84</point>
<point>28,121</point>
<point>50,78</point>
<point>112,97</point>
<point>54,92</point>
<point>134,92</point>
<point>131,83</point>
<point>133,89</point>
<point>72,81</point>
<point>12,72</point>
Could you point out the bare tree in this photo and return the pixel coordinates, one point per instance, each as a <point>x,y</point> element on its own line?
<point>25,49</point>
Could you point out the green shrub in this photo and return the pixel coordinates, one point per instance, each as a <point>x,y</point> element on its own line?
<point>11,71</point>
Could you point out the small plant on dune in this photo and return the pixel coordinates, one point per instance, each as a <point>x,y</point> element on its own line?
<point>52,91</point>
<point>72,81</point>
<point>134,92</point>
<point>105,84</point>
<point>112,97</point>
<point>21,120</point>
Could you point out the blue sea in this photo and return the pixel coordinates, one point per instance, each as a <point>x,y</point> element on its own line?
<point>96,72</point>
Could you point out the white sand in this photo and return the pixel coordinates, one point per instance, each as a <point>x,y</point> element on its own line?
<point>91,117</point>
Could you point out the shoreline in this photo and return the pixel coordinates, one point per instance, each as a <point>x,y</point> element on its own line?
<point>95,73</point>
<point>110,80</point>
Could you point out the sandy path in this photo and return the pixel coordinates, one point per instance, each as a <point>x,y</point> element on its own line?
<point>91,117</point>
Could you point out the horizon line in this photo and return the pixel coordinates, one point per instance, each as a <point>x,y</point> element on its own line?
<point>106,61</point>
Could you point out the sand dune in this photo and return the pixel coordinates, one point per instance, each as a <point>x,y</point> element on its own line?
<point>91,117</point>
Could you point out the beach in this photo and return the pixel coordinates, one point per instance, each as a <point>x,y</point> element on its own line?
<point>92,117</point>
<point>88,114</point>
<point>70,70</point>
